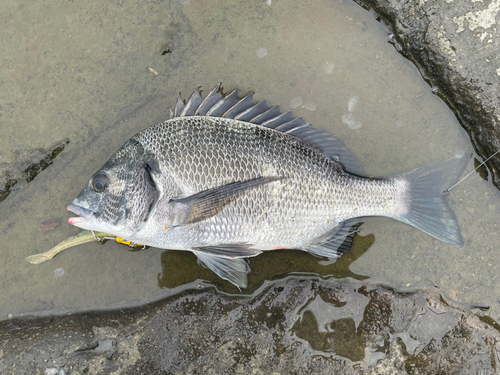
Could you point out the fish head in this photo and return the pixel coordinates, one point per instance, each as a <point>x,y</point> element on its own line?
<point>119,198</point>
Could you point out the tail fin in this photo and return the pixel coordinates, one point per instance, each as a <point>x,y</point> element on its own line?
<point>429,211</point>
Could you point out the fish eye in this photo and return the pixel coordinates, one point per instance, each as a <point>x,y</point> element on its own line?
<point>100,182</point>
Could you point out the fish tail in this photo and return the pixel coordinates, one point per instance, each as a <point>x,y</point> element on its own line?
<point>427,208</point>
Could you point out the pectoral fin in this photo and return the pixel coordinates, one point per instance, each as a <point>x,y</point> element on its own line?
<point>234,270</point>
<point>208,203</point>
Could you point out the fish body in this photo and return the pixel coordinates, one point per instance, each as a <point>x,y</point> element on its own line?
<point>227,179</point>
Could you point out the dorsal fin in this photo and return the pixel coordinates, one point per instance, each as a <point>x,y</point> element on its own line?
<point>192,104</point>
<point>252,111</point>
<point>296,123</point>
<point>270,113</point>
<point>213,97</point>
<point>230,106</point>
<point>278,120</point>
<point>179,106</point>
<point>223,105</point>
<point>239,107</point>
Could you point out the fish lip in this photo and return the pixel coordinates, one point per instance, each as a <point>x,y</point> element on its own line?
<point>83,213</point>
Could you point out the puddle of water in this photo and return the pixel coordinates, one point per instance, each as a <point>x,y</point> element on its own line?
<point>363,324</point>
<point>97,74</point>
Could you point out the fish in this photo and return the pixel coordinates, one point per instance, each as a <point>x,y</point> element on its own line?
<point>227,179</point>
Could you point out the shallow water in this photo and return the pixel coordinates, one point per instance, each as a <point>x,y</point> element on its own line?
<point>99,72</point>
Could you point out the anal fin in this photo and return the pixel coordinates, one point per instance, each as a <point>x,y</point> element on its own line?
<point>339,242</point>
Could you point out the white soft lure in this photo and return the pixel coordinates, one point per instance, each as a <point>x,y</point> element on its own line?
<point>79,239</point>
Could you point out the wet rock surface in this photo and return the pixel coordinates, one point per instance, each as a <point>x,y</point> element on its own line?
<point>294,327</point>
<point>27,164</point>
<point>455,44</point>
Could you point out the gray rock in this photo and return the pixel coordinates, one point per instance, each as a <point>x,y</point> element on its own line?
<point>295,327</point>
<point>455,45</point>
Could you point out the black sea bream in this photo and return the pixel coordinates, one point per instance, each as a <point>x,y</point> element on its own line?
<point>228,179</point>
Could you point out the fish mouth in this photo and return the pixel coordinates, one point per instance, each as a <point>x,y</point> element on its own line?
<point>83,214</point>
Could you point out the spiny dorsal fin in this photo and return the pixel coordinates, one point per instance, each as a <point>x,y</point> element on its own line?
<point>179,106</point>
<point>255,110</point>
<point>230,106</point>
<point>193,103</point>
<point>223,105</point>
<point>213,97</point>
<point>264,116</point>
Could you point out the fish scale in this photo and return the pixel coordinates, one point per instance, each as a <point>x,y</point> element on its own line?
<point>228,189</point>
